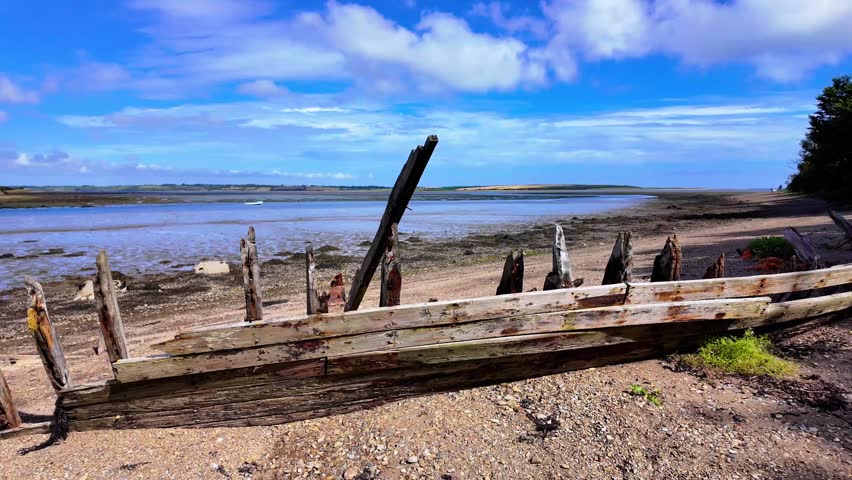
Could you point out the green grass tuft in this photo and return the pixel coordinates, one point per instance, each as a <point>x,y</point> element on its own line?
<point>652,396</point>
<point>764,247</point>
<point>746,355</point>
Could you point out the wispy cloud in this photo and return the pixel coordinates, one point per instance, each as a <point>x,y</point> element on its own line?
<point>10,92</point>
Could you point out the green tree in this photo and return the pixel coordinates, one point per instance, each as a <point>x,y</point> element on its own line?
<point>825,161</point>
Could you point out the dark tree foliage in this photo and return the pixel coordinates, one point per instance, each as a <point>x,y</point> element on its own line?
<point>825,162</point>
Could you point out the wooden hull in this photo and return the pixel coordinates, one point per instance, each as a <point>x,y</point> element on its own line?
<point>284,370</point>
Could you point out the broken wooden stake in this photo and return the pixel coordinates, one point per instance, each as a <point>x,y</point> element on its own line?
<point>9,417</point>
<point>109,316</point>
<point>391,275</point>
<point>512,280</point>
<point>310,278</point>
<point>717,270</point>
<point>251,277</point>
<point>804,248</point>
<point>841,222</point>
<point>46,337</point>
<point>560,275</point>
<point>335,297</point>
<point>398,200</point>
<point>619,268</point>
<point>667,264</point>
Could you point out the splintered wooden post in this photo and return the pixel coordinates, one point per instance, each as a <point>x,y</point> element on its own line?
<point>391,277</point>
<point>842,223</point>
<point>46,337</point>
<point>251,277</point>
<point>619,268</point>
<point>560,275</point>
<point>398,200</point>
<point>9,417</point>
<point>336,296</point>
<point>717,270</point>
<point>804,248</point>
<point>667,264</point>
<point>311,280</point>
<point>112,329</point>
<point>512,280</point>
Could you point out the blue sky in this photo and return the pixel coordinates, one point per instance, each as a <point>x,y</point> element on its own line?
<point>650,93</point>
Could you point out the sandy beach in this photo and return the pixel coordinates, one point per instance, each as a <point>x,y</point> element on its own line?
<point>706,428</point>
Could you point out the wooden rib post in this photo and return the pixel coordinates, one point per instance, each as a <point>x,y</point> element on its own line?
<point>560,275</point>
<point>512,280</point>
<point>804,248</point>
<point>251,277</point>
<point>112,329</point>
<point>667,264</point>
<point>46,337</point>
<point>619,268</point>
<point>312,299</point>
<point>842,223</point>
<point>391,276</point>
<point>717,270</point>
<point>9,417</point>
<point>398,200</point>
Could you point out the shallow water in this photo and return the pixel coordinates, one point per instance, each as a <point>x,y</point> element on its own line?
<point>140,238</point>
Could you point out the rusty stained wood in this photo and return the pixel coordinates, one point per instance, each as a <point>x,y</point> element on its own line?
<point>576,320</point>
<point>619,268</point>
<point>398,200</point>
<point>312,300</point>
<point>841,223</point>
<point>290,329</point>
<point>717,269</point>
<point>561,275</point>
<point>9,417</point>
<point>667,264</point>
<point>251,277</point>
<point>512,279</point>
<point>45,335</point>
<point>391,274</point>
<point>109,316</point>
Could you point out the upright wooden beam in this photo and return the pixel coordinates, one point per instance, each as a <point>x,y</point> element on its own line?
<point>512,280</point>
<point>311,280</point>
<point>251,277</point>
<point>619,268</point>
<point>804,248</point>
<point>46,337</point>
<point>9,417</point>
<point>401,194</point>
<point>842,223</point>
<point>391,275</point>
<point>667,264</point>
<point>560,275</point>
<point>717,270</point>
<point>109,315</point>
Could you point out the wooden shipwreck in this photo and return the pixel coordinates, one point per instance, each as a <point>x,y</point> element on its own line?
<point>265,371</point>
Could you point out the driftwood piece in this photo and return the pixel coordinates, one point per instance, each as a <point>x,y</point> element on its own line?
<point>842,223</point>
<point>512,280</point>
<point>391,275</point>
<point>804,248</point>
<point>312,299</point>
<point>667,264</point>
<point>398,200</point>
<point>619,268</point>
<point>251,277</point>
<point>109,316</point>
<point>561,275</point>
<point>717,269</point>
<point>9,417</point>
<point>46,337</point>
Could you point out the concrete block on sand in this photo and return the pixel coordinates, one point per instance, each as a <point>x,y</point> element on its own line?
<point>212,267</point>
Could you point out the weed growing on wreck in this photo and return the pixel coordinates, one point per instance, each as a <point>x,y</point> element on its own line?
<point>765,247</point>
<point>652,396</point>
<point>746,355</point>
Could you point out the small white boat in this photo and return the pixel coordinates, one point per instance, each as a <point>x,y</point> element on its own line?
<point>259,202</point>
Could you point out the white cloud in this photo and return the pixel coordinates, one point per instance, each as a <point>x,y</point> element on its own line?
<point>499,14</point>
<point>22,160</point>
<point>314,175</point>
<point>12,93</point>
<point>261,88</point>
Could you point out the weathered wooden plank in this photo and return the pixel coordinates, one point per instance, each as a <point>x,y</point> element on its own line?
<point>274,331</point>
<point>561,275</point>
<point>734,287</point>
<point>619,268</point>
<point>312,300</point>
<point>9,417</point>
<point>575,320</point>
<point>841,223</point>
<point>808,307</point>
<point>391,278</point>
<point>717,269</point>
<point>251,277</point>
<point>26,429</point>
<point>109,316</point>
<point>398,200</point>
<point>45,335</point>
<point>804,249</point>
<point>667,264</point>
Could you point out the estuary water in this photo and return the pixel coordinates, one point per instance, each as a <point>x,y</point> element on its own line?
<point>145,238</point>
